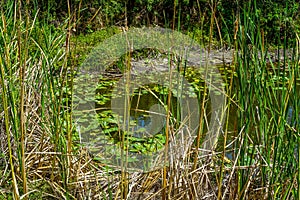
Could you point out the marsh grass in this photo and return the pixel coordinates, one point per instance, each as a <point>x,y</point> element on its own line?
<point>265,92</point>
<point>35,118</point>
<point>41,157</point>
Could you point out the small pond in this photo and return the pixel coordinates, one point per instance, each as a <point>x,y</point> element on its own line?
<point>135,109</point>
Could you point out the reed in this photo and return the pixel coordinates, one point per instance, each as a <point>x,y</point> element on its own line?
<point>41,156</point>
<point>265,92</point>
<point>35,115</point>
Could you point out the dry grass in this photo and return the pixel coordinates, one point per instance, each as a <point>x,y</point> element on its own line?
<point>89,179</point>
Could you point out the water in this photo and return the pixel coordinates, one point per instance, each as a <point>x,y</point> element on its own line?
<point>142,126</point>
<point>290,113</point>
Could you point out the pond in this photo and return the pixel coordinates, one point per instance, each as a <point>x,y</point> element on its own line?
<point>135,108</point>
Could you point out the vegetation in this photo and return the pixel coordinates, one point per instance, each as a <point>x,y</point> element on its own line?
<point>257,156</point>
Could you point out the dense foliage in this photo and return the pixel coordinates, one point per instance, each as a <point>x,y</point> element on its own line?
<point>277,19</point>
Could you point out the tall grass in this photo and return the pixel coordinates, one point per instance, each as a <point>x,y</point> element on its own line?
<point>266,90</point>
<point>33,90</point>
<point>43,160</point>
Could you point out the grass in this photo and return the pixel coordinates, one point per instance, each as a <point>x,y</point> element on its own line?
<point>40,152</point>
<point>266,91</point>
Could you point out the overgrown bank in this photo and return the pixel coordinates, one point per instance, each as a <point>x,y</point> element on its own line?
<point>40,152</point>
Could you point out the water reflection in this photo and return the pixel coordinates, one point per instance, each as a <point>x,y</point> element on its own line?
<point>290,113</point>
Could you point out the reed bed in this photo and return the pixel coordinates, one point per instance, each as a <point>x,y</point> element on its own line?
<point>40,154</point>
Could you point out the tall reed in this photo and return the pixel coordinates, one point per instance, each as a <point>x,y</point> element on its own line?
<point>36,80</point>
<point>266,90</point>
<point>34,95</point>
